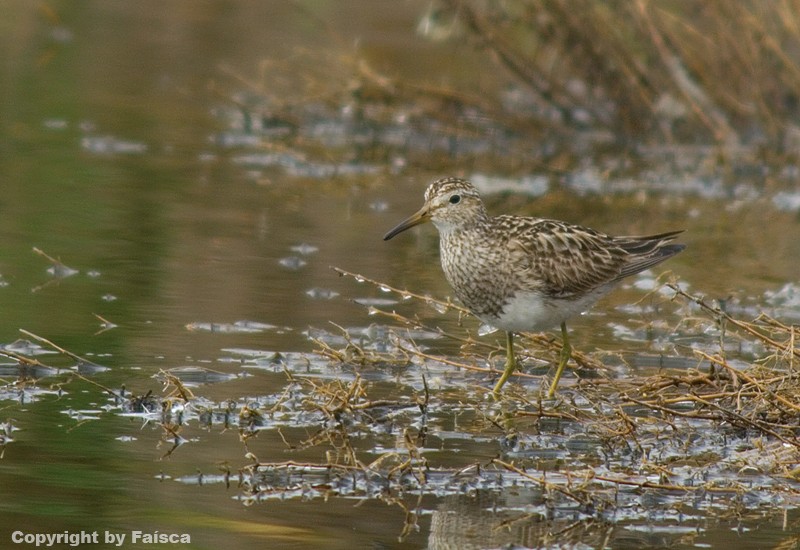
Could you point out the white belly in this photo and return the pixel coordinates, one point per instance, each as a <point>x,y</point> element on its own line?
<point>533,312</point>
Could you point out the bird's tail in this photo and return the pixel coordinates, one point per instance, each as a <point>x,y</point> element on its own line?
<point>645,252</point>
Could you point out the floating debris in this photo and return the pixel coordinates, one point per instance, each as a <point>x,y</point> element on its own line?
<point>305,249</point>
<point>379,206</point>
<point>27,348</point>
<point>321,293</point>
<point>788,296</point>
<point>83,415</point>
<point>109,145</point>
<point>378,302</point>
<point>61,271</point>
<point>292,262</point>
<point>252,353</point>
<point>786,301</point>
<point>24,371</point>
<point>236,327</point>
<point>57,269</point>
<point>197,376</point>
<point>26,395</point>
<point>788,201</point>
<point>230,140</point>
<point>105,324</point>
<point>55,124</point>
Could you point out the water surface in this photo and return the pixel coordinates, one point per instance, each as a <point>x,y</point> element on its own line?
<point>127,154</point>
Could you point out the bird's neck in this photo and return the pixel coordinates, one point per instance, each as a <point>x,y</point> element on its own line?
<point>448,229</point>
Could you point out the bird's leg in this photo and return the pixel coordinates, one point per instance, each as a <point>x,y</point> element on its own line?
<point>566,353</point>
<point>511,363</point>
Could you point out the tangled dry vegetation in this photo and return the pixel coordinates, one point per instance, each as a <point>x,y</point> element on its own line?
<point>716,439</point>
<point>761,397</point>
<point>379,416</point>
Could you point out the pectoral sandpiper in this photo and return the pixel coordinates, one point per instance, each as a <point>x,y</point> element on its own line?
<point>522,274</point>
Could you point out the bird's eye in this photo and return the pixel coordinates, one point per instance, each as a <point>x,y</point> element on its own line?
<point>455,199</point>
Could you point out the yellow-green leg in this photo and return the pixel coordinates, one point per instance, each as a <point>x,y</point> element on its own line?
<point>566,353</point>
<point>511,363</point>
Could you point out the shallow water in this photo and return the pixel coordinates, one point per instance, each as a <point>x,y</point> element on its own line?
<point>127,156</point>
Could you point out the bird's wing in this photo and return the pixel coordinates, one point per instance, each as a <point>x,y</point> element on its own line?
<point>562,259</point>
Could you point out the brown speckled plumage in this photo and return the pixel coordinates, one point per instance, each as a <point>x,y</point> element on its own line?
<point>521,273</point>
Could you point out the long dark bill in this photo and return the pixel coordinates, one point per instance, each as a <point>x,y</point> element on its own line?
<point>421,216</point>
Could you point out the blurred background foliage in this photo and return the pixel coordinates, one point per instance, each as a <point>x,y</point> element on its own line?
<point>687,71</point>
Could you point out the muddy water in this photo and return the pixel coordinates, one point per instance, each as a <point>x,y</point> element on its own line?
<point>121,156</point>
